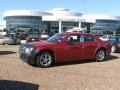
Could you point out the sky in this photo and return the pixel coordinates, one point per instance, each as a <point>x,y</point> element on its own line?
<point>84,6</point>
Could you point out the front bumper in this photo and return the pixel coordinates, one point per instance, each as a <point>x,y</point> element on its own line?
<point>29,58</point>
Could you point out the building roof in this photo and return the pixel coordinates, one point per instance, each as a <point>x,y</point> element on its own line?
<point>25,13</point>
<point>62,14</point>
<point>100,16</point>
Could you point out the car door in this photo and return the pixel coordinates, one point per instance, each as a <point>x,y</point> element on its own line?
<point>73,48</point>
<point>89,46</point>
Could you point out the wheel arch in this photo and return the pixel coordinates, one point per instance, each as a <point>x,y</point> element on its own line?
<point>46,50</point>
<point>101,48</point>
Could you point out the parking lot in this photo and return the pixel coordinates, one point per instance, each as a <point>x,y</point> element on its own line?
<point>83,75</point>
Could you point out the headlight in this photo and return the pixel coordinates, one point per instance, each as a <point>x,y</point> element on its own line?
<point>29,50</point>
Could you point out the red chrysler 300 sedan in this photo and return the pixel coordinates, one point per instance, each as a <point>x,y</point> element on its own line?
<point>63,47</point>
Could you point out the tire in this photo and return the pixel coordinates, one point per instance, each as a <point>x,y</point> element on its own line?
<point>45,59</point>
<point>113,49</point>
<point>100,55</point>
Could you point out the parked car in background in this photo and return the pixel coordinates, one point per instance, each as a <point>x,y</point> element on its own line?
<point>115,41</point>
<point>44,36</point>
<point>116,47</point>
<point>33,38</point>
<point>108,37</point>
<point>64,47</point>
<point>105,37</point>
<point>22,35</point>
<point>9,39</point>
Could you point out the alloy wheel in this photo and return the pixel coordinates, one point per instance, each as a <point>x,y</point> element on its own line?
<point>100,55</point>
<point>45,59</point>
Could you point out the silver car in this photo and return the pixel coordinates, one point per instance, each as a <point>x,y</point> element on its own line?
<point>8,39</point>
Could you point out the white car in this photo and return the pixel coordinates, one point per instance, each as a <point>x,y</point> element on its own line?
<point>44,36</point>
<point>105,37</point>
<point>6,39</point>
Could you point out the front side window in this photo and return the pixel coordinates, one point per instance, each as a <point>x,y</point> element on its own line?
<point>73,38</point>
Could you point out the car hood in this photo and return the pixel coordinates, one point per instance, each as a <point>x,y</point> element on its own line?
<point>41,43</point>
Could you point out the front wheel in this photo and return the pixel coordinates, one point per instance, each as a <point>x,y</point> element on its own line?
<point>100,55</point>
<point>45,59</point>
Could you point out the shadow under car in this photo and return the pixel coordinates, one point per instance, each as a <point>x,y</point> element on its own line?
<point>108,58</point>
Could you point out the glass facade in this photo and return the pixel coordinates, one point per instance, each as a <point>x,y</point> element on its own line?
<point>105,27</point>
<point>34,24</point>
<point>24,24</point>
<point>54,25</point>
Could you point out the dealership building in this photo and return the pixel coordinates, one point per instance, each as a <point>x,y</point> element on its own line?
<point>60,20</point>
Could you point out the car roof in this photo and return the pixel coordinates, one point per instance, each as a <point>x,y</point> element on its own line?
<point>78,33</point>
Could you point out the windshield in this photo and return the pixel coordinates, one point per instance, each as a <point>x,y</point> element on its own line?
<point>56,38</point>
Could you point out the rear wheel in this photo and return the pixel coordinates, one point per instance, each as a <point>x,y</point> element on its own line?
<point>100,55</point>
<point>45,59</point>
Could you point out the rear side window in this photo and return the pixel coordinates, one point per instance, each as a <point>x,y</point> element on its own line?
<point>88,39</point>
